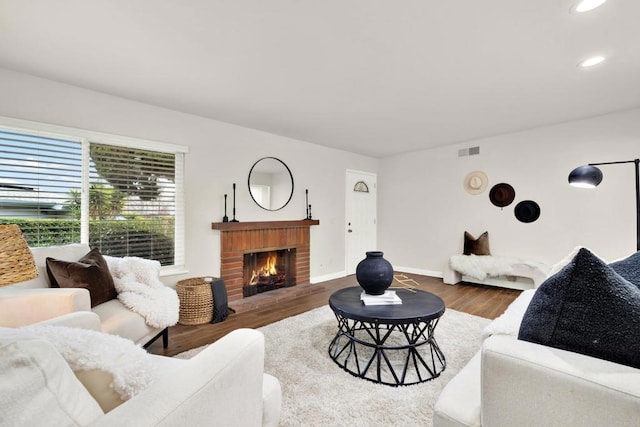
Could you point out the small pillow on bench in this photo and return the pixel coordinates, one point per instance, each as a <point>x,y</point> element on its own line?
<point>479,246</point>
<point>586,308</point>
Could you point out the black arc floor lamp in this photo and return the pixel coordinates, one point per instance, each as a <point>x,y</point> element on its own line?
<point>589,176</point>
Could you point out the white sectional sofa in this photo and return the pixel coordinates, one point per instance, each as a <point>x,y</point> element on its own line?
<point>34,301</point>
<point>511,382</point>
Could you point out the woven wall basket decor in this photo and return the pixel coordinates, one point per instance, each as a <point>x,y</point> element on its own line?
<point>16,260</point>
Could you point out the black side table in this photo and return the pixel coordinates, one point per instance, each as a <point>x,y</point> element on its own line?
<point>388,344</point>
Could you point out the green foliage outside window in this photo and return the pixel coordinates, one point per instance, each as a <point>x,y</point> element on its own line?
<point>47,232</point>
<point>151,240</point>
<point>132,171</point>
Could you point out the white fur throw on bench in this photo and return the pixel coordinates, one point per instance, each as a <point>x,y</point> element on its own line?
<point>139,287</point>
<point>483,266</point>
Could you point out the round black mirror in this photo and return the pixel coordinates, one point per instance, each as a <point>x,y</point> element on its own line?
<point>270,183</point>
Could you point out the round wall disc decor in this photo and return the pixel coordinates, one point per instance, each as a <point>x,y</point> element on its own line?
<point>527,211</point>
<point>502,194</point>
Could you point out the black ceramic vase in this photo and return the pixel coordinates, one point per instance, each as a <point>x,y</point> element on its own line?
<point>374,273</point>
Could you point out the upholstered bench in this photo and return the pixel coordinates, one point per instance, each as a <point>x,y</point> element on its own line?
<point>507,272</point>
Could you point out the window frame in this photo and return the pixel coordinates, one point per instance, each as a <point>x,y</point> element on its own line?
<point>86,137</point>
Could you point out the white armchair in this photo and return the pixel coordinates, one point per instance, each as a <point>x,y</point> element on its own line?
<point>224,385</point>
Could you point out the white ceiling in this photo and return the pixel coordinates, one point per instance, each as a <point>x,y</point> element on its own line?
<point>370,76</point>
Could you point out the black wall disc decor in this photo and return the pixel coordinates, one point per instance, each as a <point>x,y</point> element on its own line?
<point>502,194</point>
<point>527,211</point>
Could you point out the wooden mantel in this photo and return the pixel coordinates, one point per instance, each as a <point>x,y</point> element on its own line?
<point>262,225</point>
<point>238,238</point>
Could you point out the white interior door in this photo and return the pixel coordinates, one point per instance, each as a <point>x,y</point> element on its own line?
<point>360,221</point>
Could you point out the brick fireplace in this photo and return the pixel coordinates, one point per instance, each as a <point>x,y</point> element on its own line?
<point>238,239</point>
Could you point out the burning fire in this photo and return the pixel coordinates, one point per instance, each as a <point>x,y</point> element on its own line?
<point>267,269</point>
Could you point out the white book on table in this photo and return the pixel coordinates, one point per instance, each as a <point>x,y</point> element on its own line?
<point>388,298</point>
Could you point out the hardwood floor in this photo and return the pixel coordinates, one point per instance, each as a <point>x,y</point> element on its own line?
<point>484,301</point>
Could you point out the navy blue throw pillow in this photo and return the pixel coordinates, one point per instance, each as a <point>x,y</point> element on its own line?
<point>586,308</point>
<point>629,268</point>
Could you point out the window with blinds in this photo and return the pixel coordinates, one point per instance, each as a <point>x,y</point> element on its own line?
<point>132,202</point>
<point>121,199</point>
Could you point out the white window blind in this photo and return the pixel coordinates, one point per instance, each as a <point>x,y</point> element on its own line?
<point>124,198</point>
<point>132,202</point>
<point>40,186</point>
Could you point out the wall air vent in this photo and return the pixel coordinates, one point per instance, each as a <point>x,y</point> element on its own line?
<point>471,151</point>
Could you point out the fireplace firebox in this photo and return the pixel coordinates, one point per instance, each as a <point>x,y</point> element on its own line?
<point>268,270</point>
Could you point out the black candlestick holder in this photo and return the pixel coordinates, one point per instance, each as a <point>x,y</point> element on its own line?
<point>234,204</point>
<point>225,218</point>
<point>306,192</point>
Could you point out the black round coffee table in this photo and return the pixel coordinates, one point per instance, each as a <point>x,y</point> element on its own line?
<point>388,344</point>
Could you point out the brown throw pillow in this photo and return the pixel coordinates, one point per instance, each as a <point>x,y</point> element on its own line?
<point>479,246</point>
<point>90,272</point>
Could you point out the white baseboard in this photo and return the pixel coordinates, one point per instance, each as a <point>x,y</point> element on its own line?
<point>326,277</point>
<point>340,274</point>
<point>419,271</point>
<point>511,282</point>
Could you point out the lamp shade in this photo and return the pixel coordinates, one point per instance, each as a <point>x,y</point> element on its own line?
<point>585,176</point>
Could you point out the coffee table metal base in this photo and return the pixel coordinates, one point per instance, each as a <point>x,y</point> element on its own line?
<point>391,354</point>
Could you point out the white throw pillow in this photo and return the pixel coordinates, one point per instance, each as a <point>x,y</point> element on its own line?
<point>37,387</point>
<point>130,367</point>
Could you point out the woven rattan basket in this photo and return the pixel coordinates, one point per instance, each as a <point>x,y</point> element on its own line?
<point>16,260</point>
<point>196,301</point>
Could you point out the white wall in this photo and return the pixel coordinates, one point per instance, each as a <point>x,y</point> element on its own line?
<point>219,155</point>
<point>424,210</point>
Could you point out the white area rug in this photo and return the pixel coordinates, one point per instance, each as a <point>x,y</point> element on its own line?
<point>317,392</point>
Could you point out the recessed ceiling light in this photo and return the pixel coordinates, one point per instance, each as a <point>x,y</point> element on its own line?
<point>590,62</point>
<point>587,5</point>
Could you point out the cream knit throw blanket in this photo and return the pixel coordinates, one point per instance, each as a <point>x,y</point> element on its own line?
<point>137,281</point>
